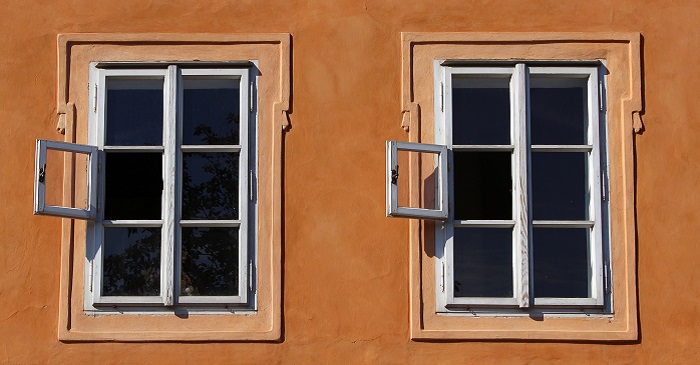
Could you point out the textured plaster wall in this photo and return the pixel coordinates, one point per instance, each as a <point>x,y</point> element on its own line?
<point>345,264</point>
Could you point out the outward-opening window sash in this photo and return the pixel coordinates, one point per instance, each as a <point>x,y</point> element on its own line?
<point>438,154</point>
<point>40,205</point>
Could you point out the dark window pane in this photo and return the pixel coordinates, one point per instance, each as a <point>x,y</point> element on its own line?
<point>133,185</point>
<point>211,110</point>
<point>483,265</point>
<point>131,261</point>
<point>482,185</point>
<point>209,261</point>
<point>480,110</point>
<point>134,115</point>
<point>559,186</point>
<point>561,262</point>
<point>558,110</point>
<point>210,185</point>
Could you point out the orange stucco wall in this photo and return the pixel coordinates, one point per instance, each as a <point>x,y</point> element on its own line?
<point>345,266</point>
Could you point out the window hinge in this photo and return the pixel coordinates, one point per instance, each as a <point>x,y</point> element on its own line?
<point>600,95</point>
<point>606,284</point>
<point>250,275</point>
<point>604,184</point>
<point>251,189</point>
<point>442,97</point>
<point>94,100</point>
<point>442,278</point>
<point>250,96</point>
<point>92,269</point>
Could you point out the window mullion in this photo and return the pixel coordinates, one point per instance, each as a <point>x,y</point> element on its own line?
<point>519,117</point>
<point>169,169</point>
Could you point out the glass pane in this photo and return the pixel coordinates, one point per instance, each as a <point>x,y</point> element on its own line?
<point>133,185</point>
<point>131,265</point>
<point>210,185</point>
<point>482,185</point>
<point>134,114</point>
<point>559,186</point>
<point>480,110</point>
<point>483,264</point>
<point>211,110</point>
<point>209,261</point>
<point>558,110</point>
<point>561,262</point>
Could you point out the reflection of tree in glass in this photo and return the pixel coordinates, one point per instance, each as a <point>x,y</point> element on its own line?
<point>210,191</point>
<point>209,261</point>
<point>210,179</point>
<point>135,270</point>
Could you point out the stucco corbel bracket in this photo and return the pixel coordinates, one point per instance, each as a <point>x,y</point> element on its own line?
<point>66,113</point>
<point>637,123</point>
<point>410,117</point>
<point>282,117</point>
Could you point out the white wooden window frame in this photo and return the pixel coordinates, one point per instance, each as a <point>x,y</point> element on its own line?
<point>521,224</point>
<point>172,149</point>
<point>40,206</point>
<point>439,155</point>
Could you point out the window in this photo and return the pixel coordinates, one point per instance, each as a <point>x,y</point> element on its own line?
<point>538,241</point>
<point>173,187</point>
<point>179,163</point>
<point>527,226</point>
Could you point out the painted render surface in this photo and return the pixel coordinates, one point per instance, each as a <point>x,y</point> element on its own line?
<point>345,274</point>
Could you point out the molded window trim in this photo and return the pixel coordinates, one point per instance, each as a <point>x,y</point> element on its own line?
<point>261,320</point>
<point>620,53</point>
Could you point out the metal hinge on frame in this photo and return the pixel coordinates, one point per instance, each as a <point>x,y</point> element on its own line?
<point>606,284</point>
<point>251,188</point>
<point>92,270</point>
<point>604,184</point>
<point>442,278</point>
<point>250,97</point>
<point>442,97</point>
<point>600,96</point>
<point>94,100</point>
<point>250,275</point>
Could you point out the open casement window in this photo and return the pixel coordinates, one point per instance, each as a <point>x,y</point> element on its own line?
<point>170,199</point>
<point>89,209</point>
<point>439,208</point>
<point>527,225</point>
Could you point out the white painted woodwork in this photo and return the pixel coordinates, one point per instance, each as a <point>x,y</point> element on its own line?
<point>521,238</point>
<point>40,206</point>
<point>170,114</point>
<point>439,155</point>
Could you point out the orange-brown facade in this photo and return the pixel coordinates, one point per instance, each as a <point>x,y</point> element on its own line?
<point>343,293</point>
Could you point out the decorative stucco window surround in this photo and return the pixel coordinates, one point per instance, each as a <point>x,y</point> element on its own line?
<point>619,53</point>
<point>271,55</point>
